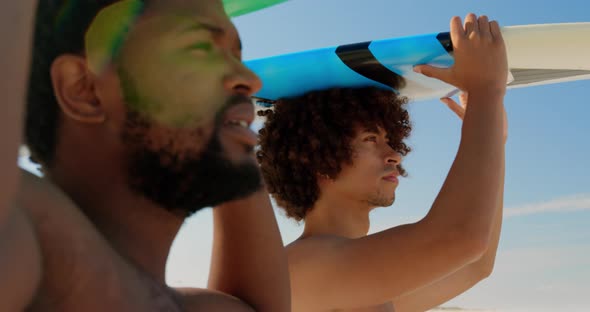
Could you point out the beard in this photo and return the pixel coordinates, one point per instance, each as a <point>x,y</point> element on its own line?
<point>380,200</point>
<point>184,181</point>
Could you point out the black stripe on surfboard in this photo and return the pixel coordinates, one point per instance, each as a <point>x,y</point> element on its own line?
<point>359,58</point>
<point>445,40</point>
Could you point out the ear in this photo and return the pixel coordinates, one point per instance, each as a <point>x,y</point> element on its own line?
<point>74,86</point>
<point>323,179</point>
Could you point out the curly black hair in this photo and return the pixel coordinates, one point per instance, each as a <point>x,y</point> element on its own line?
<point>311,134</point>
<point>60,27</point>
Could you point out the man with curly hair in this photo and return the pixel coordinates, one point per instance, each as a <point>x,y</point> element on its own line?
<point>138,112</point>
<point>330,157</point>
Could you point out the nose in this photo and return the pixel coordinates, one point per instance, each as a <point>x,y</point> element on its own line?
<point>242,79</point>
<point>393,157</point>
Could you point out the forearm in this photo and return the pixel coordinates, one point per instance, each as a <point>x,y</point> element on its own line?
<point>249,260</point>
<point>20,263</point>
<point>463,279</point>
<point>486,263</point>
<point>15,34</point>
<point>466,203</point>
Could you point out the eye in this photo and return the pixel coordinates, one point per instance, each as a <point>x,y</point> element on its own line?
<point>371,138</point>
<point>201,46</point>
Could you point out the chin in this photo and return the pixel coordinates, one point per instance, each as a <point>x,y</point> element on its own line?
<point>389,201</point>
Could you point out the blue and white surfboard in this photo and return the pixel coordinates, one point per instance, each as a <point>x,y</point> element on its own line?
<point>537,54</point>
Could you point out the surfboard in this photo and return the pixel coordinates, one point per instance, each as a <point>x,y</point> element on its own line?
<point>235,8</point>
<point>537,55</point>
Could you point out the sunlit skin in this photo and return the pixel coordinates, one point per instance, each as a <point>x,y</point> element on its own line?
<point>336,266</point>
<point>175,95</point>
<point>369,182</point>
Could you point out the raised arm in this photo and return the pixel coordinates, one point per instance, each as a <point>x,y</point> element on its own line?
<point>457,230</point>
<point>439,292</point>
<point>15,35</point>
<point>249,260</point>
<point>19,257</point>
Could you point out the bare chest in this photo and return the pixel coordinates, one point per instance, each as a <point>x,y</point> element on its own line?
<point>80,269</point>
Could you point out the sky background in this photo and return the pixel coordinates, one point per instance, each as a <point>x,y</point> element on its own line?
<point>543,263</point>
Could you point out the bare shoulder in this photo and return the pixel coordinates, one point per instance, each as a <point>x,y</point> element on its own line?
<point>315,243</point>
<point>20,260</point>
<point>37,195</point>
<point>78,263</point>
<point>195,299</point>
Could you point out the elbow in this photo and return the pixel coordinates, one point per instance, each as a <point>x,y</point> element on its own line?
<point>486,271</point>
<point>485,266</point>
<point>473,246</point>
<point>482,260</point>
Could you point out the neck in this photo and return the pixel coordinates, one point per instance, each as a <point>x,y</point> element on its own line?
<point>138,229</point>
<point>338,215</point>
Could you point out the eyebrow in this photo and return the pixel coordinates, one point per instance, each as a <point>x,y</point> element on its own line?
<point>216,30</point>
<point>367,130</point>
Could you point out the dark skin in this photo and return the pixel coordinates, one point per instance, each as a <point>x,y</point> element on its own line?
<point>103,244</point>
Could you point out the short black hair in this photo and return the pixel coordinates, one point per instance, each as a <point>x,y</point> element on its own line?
<point>60,28</point>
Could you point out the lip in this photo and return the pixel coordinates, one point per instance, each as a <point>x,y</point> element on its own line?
<point>392,178</point>
<point>240,112</point>
<point>243,111</point>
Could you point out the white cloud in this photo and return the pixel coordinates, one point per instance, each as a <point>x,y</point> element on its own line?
<point>534,279</point>
<point>578,202</point>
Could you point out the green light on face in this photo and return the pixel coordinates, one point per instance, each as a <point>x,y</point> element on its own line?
<point>106,34</point>
<point>235,8</point>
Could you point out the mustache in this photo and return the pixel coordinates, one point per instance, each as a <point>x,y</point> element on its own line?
<point>236,99</point>
<point>232,101</point>
<point>398,168</point>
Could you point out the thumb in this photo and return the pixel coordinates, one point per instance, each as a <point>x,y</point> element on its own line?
<point>456,108</point>
<point>442,74</point>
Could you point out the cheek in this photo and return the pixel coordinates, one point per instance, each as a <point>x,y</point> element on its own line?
<point>362,176</point>
<point>175,92</point>
<point>178,100</point>
<point>172,144</point>
<point>367,164</point>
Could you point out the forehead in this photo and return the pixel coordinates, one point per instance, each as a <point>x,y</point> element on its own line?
<point>112,27</point>
<point>176,13</point>
<point>209,9</point>
<point>360,129</point>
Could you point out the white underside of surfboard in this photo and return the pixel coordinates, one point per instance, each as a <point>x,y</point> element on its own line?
<point>537,55</point>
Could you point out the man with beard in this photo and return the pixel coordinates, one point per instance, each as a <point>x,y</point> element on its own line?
<point>340,157</point>
<point>139,113</point>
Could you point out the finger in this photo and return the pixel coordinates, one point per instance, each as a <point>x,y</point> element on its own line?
<point>463,99</point>
<point>457,31</point>
<point>484,26</point>
<point>495,30</point>
<point>442,74</point>
<point>456,108</point>
<point>471,24</point>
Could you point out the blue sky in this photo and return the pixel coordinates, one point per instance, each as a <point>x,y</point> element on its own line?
<point>543,262</point>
